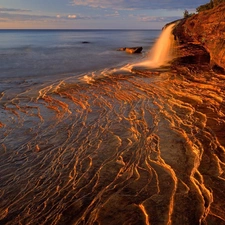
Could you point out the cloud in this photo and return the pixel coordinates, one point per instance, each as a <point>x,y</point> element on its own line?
<point>158,19</point>
<point>12,14</point>
<point>24,17</point>
<point>6,17</point>
<point>114,14</point>
<point>13,10</point>
<point>140,4</point>
<point>72,16</point>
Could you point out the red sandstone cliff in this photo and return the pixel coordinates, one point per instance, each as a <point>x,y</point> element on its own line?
<point>206,31</point>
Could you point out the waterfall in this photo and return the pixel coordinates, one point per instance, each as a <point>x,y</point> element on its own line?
<point>161,52</point>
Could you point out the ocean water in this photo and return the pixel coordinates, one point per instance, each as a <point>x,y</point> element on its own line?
<point>29,53</point>
<point>93,136</point>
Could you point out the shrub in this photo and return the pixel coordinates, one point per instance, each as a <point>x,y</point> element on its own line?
<point>187,14</point>
<point>210,5</point>
<point>205,7</point>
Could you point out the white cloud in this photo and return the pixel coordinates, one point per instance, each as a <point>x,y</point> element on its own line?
<point>72,16</point>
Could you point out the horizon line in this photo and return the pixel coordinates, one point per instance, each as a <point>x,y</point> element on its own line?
<point>79,29</point>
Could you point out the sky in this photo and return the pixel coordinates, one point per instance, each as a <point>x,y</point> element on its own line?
<point>92,14</point>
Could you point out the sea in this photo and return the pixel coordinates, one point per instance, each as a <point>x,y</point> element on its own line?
<point>90,135</point>
<point>29,53</point>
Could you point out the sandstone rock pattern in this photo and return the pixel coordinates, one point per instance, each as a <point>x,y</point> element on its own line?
<point>133,148</point>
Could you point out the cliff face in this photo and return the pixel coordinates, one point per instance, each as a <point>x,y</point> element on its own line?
<point>207,31</point>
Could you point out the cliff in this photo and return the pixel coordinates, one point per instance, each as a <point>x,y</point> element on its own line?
<point>201,37</point>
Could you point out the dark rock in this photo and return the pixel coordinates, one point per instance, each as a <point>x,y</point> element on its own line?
<point>192,54</point>
<point>134,50</point>
<point>131,50</point>
<point>218,69</point>
<point>121,49</point>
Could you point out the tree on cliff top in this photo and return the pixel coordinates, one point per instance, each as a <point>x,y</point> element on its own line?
<point>187,14</point>
<point>210,5</point>
<point>206,6</point>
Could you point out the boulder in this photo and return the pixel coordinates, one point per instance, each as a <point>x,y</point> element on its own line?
<point>131,50</point>
<point>134,50</point>
<point>121,49</point>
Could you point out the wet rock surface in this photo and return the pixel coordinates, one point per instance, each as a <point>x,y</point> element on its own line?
<point>139,148</point>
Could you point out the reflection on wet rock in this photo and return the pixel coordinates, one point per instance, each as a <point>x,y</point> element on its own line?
<point>134,148</point>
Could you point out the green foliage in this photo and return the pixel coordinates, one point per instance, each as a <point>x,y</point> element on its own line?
<point>210,5</point>
<point>187,14</point>
<point>205,7</point>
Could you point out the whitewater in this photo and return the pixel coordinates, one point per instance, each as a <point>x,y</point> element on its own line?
<point>142,143</point>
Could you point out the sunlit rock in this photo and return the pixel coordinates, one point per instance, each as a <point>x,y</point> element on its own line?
<point>131,50</point>
<point>206,29</point>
